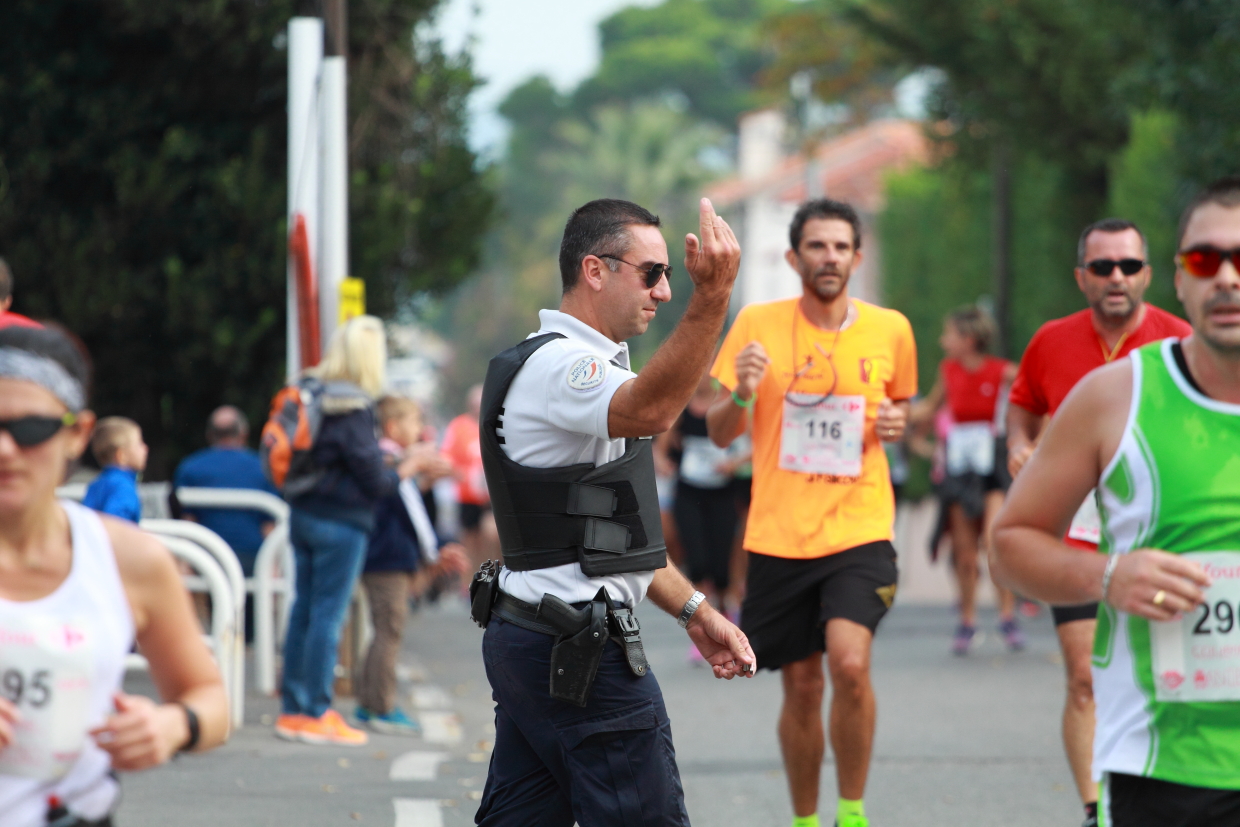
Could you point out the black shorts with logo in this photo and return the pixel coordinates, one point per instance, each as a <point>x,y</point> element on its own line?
<point>788,601</point>
<point>1133,801</point>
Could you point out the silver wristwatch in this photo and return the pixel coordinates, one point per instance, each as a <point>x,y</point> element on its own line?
<point>691,606</point>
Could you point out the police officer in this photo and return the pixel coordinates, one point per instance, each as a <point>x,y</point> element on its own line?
<point>582,733</point>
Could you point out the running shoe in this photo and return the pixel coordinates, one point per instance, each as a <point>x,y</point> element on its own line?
<point>331,729</point>
<point>1012,635</point>
<point>962,641</point>
<point>395,722</point>
<point>289,727</point>
<point>853,821</point>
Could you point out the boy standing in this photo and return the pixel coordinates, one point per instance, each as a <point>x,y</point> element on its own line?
<point>118,448</point>
<point>404,557</point>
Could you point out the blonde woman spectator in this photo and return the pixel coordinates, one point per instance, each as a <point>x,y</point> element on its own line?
<point>329,526</point>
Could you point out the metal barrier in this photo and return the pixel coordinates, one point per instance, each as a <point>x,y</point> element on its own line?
<point>274,573</point>
<point>222,639</point>
<point>218,548</point>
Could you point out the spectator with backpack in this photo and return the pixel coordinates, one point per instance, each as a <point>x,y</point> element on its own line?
<point>331,471</point>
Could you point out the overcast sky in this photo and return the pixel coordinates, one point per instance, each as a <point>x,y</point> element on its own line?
<point>515,39</point>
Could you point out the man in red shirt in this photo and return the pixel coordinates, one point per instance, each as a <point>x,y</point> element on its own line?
<point>1113,273</point>
<point>8,319</point>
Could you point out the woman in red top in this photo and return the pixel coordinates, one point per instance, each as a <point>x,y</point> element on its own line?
<point>974,387</point>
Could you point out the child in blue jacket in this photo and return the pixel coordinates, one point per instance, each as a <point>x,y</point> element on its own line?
<point>118,447</point>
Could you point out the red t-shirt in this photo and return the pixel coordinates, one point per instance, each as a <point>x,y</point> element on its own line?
<point>972,396</point>
<point>463,447</point>
<point>1064,350</point>
<point>9,319</point>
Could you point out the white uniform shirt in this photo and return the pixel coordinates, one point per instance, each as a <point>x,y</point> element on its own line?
<point>555,414</point>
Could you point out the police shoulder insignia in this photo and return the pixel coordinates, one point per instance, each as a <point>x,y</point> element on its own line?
<point>587,373</point>
<point>887,594</point>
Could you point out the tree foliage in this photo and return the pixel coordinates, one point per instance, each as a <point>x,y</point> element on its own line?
<point>142,188</point>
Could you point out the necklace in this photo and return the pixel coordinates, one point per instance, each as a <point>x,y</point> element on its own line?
<point>809,360</point>
<point>1109,356</point>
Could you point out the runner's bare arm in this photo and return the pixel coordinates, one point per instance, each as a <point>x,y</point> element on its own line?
<point>924,409</point>
<point>1031,557</point>
<point>1023,429</point>
<point>650,403</point>
<point>142,733</point>
<point>724,646</point>
<point>726,420</point>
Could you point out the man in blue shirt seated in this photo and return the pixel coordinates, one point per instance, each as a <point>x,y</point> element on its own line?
<point>228,463</point>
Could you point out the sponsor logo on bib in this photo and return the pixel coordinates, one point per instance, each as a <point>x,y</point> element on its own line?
<point>587,373</point>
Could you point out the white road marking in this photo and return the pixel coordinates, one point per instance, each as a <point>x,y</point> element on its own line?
<point>430,697</point>
<point>417,812</point>
<point>417,766</point>
<point>440,727</point>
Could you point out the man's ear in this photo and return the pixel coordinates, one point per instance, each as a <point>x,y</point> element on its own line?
<point>593,273</point>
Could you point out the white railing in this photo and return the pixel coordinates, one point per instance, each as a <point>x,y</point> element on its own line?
<point>218,548</point>
<point>222,639</point>
<point>274,573</point>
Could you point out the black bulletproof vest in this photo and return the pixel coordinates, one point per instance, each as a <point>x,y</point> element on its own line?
<point>606,518</point>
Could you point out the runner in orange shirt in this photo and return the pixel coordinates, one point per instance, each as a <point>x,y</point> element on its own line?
<point>462,446</point>
<point>828,379</point>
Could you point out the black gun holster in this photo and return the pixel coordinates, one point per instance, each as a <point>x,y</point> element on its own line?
<point>483,590</point>
<point>581,633</point>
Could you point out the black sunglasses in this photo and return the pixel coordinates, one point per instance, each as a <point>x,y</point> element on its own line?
<point>1106,266</point>
<point>653,275</point>
<point>29,431</point>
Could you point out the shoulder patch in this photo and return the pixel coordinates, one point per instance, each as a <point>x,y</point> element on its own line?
<point>587,373</point>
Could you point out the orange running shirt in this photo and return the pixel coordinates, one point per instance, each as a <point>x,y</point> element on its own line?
<point>806,515</point>
<point>463,447</point>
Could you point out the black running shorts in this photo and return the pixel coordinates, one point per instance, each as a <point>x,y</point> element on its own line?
<point>470,515</point>
<point>1067,614</point>
<point>788,601</point>
<point>1133,801</point>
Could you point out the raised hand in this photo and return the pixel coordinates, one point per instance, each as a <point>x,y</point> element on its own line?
<point>713,260</point>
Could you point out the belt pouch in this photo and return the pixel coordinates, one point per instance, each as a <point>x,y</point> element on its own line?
<point>575,658</point>
<point>627,632</point>
<point>483,590</point>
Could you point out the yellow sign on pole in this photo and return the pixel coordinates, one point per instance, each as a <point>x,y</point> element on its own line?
<point>352,298</point>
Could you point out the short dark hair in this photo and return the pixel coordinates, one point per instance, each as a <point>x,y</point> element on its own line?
<point>57,345</point>
<point>601,226</point>
<point>1108,225</point>
<point>1225,192</point>
<point>823,208</point>
<point>6,280</point>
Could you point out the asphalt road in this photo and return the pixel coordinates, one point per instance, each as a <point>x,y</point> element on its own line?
<point>961,741</point>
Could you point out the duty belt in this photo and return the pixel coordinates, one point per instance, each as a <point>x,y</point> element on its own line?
<point>581,631</point>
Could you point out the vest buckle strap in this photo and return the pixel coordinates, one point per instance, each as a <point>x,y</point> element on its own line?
<point>591,500</point>
<point>604,535</point>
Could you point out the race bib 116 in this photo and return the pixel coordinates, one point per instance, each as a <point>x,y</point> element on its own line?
<point>822,438</point>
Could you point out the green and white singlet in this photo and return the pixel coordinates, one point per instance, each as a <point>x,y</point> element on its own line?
<point>1168,694</point>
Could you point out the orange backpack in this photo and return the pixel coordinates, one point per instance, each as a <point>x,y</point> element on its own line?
<point>289,435</point>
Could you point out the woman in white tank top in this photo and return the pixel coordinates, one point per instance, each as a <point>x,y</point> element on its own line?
<point>76,590</point>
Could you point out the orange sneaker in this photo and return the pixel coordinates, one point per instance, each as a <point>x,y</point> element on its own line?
<point>289,727</point>
<point>331,729</point>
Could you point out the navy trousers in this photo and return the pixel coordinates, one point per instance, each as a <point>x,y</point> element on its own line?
<point>609,764</point>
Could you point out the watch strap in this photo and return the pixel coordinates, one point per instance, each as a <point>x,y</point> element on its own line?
<point>191,723</point>
<point>691,606</point>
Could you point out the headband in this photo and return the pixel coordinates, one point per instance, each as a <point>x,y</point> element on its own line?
<point>44,372</point>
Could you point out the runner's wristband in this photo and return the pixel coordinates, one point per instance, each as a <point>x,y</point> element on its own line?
<point>1106,575</point>
<point>191,722</point>
<point>741,403</point>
